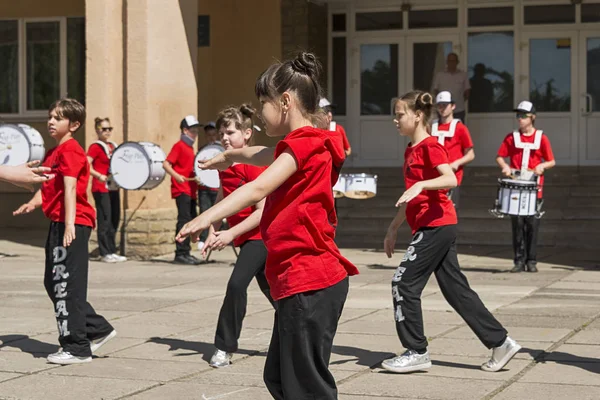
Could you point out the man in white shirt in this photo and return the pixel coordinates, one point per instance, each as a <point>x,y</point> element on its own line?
<point>456,82</point>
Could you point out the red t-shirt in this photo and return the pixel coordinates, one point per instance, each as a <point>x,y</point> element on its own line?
<point>181,158</point>
<point>231,179</point>
<point>298,222</point>
<point>67,159</point>
<point>340,129</point>
<point>101,164</point>
<point>457,144</point>
<point>431,207</point>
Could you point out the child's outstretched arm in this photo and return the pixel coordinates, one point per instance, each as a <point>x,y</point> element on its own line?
<point>284,166</point>
<point>392,233</point>
<point>260,156</point>
<point>70,209</point>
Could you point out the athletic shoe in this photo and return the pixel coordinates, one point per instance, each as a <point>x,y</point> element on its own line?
<point>118,258</point>
<point>183,259</point>
<point>96,344</point>
<point>109,258</point>
<point>66,358</point>
<point>531,266</point>
<point>220,359</point>
<point>408,362</point>
<point>501,355</point>
<point>518,268</point>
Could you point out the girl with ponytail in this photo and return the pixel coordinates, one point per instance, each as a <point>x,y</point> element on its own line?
<point>432,217</point>
<point>307,274</point>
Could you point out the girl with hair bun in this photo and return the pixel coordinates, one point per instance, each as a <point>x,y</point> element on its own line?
<point>235,128</point>
<point>306,272</point>
<point>432,218</point>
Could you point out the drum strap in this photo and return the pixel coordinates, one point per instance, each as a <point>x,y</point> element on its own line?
<point>527,147</point>
<point>332,125</point>
<point>442,135</point>
<point>106,148</point>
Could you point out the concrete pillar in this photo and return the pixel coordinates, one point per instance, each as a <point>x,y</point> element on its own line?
<point>160,89</point>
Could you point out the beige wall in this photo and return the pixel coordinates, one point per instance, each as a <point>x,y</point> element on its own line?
<point>245,38</point>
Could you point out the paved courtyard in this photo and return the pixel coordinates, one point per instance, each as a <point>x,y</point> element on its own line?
<point>166,314</point>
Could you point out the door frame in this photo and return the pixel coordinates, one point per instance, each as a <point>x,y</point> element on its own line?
<point>583,115</point>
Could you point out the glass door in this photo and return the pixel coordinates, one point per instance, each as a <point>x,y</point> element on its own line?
<point>589,110</point>
<point>549,82</point>
<point>378,77</point>
<point>427,57</point>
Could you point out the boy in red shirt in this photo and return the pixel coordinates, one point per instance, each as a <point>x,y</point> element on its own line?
<point>455,137</point>
<point>327,107</point>
<point>180,165</point>
<point>432,218</point>
<point>528,149</point>
<point>306,272</point>
<point>64,202</point>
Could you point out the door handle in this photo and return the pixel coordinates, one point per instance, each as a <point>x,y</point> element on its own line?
<point>588,104</point>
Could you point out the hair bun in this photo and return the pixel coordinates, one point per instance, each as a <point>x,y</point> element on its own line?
<point>247,110</point>
<point>425,100</point>
<point>306,63</point>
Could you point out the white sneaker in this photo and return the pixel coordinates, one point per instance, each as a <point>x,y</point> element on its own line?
<point>66,358</point>
<point>501,355</point>
<point>118,258</point>
<point>108,259</point>
<point>200,245</point>
<point>220,359</point>
<point>408,362</point>
<point>96,344</point>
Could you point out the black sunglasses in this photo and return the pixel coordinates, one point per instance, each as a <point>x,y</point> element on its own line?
<point>107,129</point>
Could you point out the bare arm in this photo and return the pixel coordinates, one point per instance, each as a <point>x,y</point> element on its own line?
<point>169,168</point>
<point>348,151</point>
<point>70,209</point>
<point>446,180</point>
<point>25,175</point>
<point>389,243</point>
<point>35,202</point>
<point>95,173</point>
<point>249,223</point>
<point>468,156</point>
<point>254,155</point>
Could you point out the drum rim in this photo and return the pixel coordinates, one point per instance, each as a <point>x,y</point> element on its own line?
<point>145,155</point>
<point>362,175</point>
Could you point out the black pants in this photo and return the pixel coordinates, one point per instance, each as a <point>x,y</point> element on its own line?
<point>186,211</point>
<point>454,196</point>
<point>525,234</point>
<point>433,250</point>
<point>108,208</point>
<point>250,263</point>
<point>207,199</point>
<point>297,365</point>
<point>66,279</point>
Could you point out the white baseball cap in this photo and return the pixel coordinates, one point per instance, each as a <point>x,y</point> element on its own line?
<point>525,107</point>
<point>324,103</point>
<point>188,122</point>
<point>444,97</point>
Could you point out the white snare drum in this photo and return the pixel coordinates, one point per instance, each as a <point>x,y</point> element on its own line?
<point>517,197</point>
<point>20,144</point>
<point>361,186</point>
<point>137,165</point>
<point>340,187</point>
<point>208,177</point>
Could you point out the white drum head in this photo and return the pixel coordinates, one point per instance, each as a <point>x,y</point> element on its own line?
<point>130,166</point>
<point>14,146</point>
<point>208,178</point>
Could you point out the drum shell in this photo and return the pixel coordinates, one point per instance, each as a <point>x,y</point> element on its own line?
<point>361,186</point>
<point>340,187</point>
<point>35,144</point>
<point>208,178</point>
<point>153,155</point>
<point>517,198</point>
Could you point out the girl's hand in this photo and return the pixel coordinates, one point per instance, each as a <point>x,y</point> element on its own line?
<point>208,244</point>
<point>539,170</point>
<point>24,209</point>
<point>390,242</point>
<point>69,235</point>
<point>223,238</point>
<point>193,229</point>
<point>410,194</point>
<point>103,178</point>
<point>220,162</point>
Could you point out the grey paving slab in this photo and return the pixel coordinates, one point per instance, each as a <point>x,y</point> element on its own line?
<point>24,363</point>
<point>474,348</point>
<point>565,373</point>
<point>518,333</point>
<point>575,353</point>
<point>198,391</point>
<point>545,391</point>
<point>586,336</point>
<point>4,376</point>
<point>539,321</point>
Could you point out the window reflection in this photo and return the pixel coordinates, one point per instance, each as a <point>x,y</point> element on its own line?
<point>379,78</point>
<point>9,66</point>
<point>43,64</point>
<point>491,71</point>
<point>550,74</point>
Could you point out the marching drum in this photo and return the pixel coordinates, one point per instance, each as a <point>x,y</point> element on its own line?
<point>340,187</point>
<point>138,165</point>
<point>361,186</point>
<point>517,197</point>
<point>20,144</point>
<point>208,177</point>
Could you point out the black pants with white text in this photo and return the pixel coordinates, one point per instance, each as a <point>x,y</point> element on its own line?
<point>297,365</point>
<point>433,250</point>
<point>66,280</point>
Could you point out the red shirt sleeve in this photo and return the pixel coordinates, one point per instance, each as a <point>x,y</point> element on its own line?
<point>94,150</point>
<point>174,154</point>
<point>504,150</point>
<point>546,149</point>
<point>70,163</point>
<point>344,137</point>
<point>436,155</point>
<point>303,148</point>
<point>465,138</point>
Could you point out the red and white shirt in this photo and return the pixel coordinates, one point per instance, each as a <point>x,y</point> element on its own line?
<point>100,163</point>
<point>298,222</point>
<point>455,144</point>
<point>182,158</point>
<point>430,208</point>
<point>231,179</point>
<point>67,159</point>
